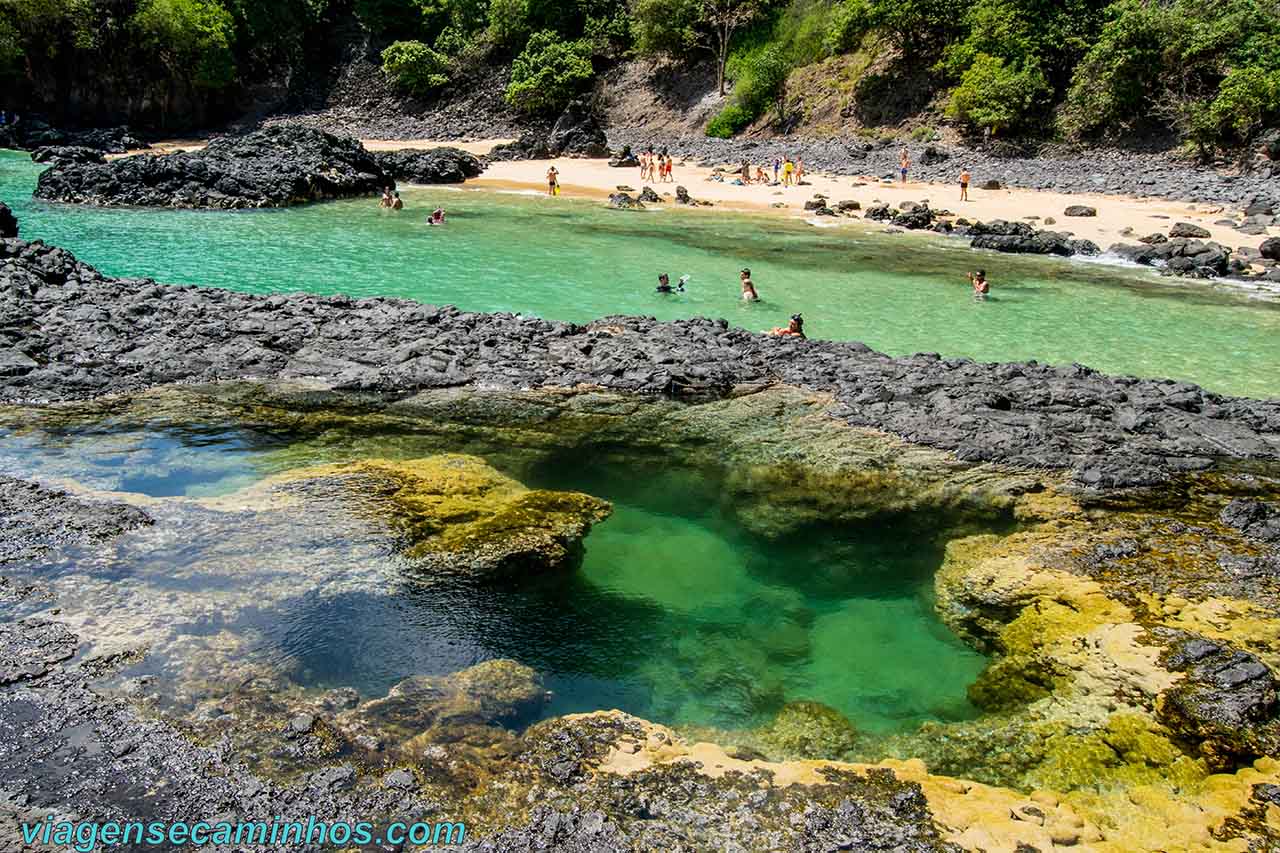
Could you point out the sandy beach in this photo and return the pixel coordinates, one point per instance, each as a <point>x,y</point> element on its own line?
<point>596,179</point>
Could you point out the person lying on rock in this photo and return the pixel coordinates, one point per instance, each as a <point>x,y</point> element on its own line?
<point>794,329</point>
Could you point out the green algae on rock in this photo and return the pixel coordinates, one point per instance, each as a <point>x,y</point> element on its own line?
<point>458,514</point>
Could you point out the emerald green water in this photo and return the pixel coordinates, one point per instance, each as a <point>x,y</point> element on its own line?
<point>575,260</point>
<point>677,614</point>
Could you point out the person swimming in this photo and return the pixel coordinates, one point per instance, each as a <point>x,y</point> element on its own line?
<point>664,284</point>
<point>795,328</point>
<point>981,287</point>
<point>396,203</point>
<point>748,287</point>
<point>386,198</point>
<point>437,217</point>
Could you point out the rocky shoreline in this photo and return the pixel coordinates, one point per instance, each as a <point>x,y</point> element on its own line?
<point>1106,171</point>
<point>71,333</point>
<point>279,166</point>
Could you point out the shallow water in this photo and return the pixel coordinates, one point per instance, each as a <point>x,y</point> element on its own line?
<point>574,260</point>
<point>677,614</point>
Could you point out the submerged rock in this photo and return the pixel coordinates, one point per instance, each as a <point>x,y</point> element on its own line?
<point>430,166</point>
<point>277,166</point>
<point>460,515</point>
<point>494,692</point>
<point>804,729</point>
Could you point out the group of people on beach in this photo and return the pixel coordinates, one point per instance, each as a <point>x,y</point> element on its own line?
<point>787,172</point>
<point>391,201</point>
<point>656,167</point>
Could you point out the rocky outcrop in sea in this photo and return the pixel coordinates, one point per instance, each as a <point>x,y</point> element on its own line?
<point>69,332</point>
<point>444,165</point>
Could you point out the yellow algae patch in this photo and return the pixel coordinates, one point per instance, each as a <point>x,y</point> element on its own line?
<point>464,513</point>
<point>1241,623</point>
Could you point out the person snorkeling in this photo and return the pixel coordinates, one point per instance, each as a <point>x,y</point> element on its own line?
<point>664,284</point>
<point>795,328</point>
<point>981,287</point>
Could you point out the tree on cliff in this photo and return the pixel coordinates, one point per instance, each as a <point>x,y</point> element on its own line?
<point>677,26</point>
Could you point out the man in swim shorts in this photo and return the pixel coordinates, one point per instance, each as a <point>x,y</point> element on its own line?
<point>964,184</point>
<point>748,287</point>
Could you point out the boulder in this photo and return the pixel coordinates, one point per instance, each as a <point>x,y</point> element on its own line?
<point>429,166</point>
<point>806,729</point>
<point>1260,207</point>
<point>578,132</point>
<point>8,222</point>
<point>1187,229</point>
<point>624,201</point>
<point>277,166</point>
<point>1153,239</point>
<point>992,185</point>
<point>915,217</point>
<point>848,206</point>
<point>455,514</point>
<point>1080,210</point>
<point>933,155</point>
<point>648,196</point>
<point>682,195</point>
<point>530,146</point>
<point>57,155</point>
<point>879,212</point>
<point>1270,249</point>
<point>625,159</point>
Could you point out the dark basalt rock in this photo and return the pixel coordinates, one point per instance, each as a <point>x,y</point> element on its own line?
<point>1186,229</point>
<point>578,131</point>
<point>1270,249</point>
<point>625,159</point>
<point>58,155</point>
<point>1226,703</point>
<point>1080,210</point>
<point>8,228</point>
<point>1255,519</point>
<point>1179,256</point>
<point>530,146</point>
<point>430,166</point>
<point>35,519</point>
<point>1020,238</point>
<point>623,201</point>
<point>278,166</point>
<point>913,216</point>
<point>648,196</point>
<point>78,334</point>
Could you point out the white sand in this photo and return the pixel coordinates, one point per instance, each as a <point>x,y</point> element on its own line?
<point>596,179</point>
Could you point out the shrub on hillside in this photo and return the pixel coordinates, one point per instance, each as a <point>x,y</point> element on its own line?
<point>415,67</point>
<point>995,95</point>
<point>509,22</point>
<point>549,72</point>
<point>193,37</point>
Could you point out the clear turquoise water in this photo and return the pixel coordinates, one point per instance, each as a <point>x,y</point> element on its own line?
<point>677,614</point>
<point>574,260</point>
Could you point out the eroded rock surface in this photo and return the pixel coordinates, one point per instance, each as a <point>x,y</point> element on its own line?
<point>430,166</point>
<point>277,166</point>
<point>71,332</point>
<point>458,514</point>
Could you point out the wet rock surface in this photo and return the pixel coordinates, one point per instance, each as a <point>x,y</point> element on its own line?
<point>58,155</point>
<point>279,166</point>
<point>34,519</point>
<point>457,514</point>
<point>71,333</point>
<point>431,166</point>
<point>8,222</point>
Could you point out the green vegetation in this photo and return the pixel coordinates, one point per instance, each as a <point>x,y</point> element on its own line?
<point>549,73</point>
<point>1071,69</point>
<point>415,67</point>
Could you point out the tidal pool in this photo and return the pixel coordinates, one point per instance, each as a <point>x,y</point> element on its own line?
<point>574,260</point>
<point>677,614</point>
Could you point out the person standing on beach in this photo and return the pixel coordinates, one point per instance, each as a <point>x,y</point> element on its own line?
<point>667,168</point>
<point>904,164</point>
<point>777,165</point>
<point>787,169</point>
<point>745,172</point>
<point>964,184</point>
<point>553,181</point>
<point>799,171</point>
